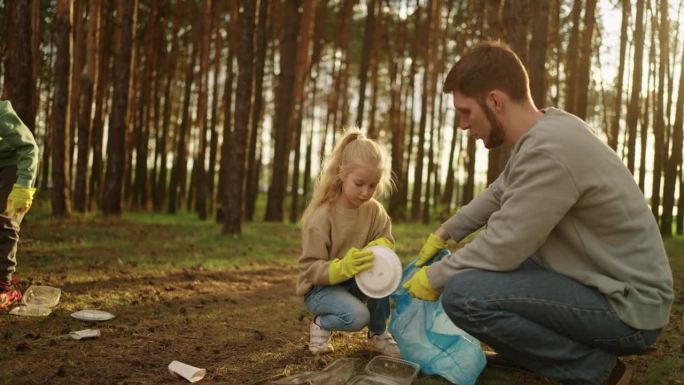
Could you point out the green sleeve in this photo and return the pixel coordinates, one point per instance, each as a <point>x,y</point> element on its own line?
<point>16,135</point>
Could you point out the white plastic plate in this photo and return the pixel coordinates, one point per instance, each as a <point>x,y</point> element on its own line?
<point>92,315</point>
<point>385,276</point>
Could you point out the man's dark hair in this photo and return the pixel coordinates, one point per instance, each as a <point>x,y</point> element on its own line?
<point>489,66</point>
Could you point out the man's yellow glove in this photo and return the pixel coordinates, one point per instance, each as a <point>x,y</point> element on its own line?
<point>381,242</point>
<point>419,286</point>
<point>20,198</point>
<point>432,245</point>
<point>354,262</point>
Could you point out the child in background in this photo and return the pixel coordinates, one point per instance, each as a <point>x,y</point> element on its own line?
<point>339,224</point>
<point>18,163</point>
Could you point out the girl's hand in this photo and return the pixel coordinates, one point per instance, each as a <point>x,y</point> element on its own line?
<point>381,242</point>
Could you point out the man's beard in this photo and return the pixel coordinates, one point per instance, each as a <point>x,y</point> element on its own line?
<point>496,131</point>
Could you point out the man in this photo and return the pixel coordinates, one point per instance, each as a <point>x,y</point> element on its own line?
<point>18,163</point>
<point>570,270</point>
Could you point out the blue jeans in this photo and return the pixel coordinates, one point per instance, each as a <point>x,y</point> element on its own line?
<point>344,307</point>
<point>543,321</point>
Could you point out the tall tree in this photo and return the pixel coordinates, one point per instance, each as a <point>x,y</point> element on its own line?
<point>87,89</point>
<point>288,49</point>
<point>584,64</point>
<point>116,149</point>
<point>673,162</point>
<point>302,60</point>
<point>369,32</point>
<point>617,104</point>
<point>261,41</point>
<point>538,48</point>
<point>19,84</point>
<point>633,107</point>
<point>659,150</point>
<point>180,164</point>
<point>61,202</point>
<point>235,179</point>
<point>201,178</point>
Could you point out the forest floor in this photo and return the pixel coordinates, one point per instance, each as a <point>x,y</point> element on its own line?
<point>182,291</point>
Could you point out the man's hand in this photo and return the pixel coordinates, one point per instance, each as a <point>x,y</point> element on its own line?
<point>419,286</point>
<point>354,262</point>
<point>432,245</point>
<point>20,199</point>
<point>381,242</point>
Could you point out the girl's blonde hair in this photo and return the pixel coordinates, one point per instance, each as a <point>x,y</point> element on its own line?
<point>352,150</point>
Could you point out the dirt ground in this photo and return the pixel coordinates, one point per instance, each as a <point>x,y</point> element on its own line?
<point>245,326</point>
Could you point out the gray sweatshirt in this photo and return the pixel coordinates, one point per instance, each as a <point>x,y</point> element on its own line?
<point>567,198</point>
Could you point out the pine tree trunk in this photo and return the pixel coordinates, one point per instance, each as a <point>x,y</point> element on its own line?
<point>252,186</point>
<point>537,60</point>
<point>102,92</point>
<point>61,202</point>
<point>84,123</point>
<point>674,161</point>
<point>302,60</point>
<point>368,34</point>
<point>584,65</point>
<point>179,171</point>
<point>116,150</point>
<point>19,78</point>
<point>660,149</point>
<point>617,106</point>
<point>286,82</point>
<point>633,108</point>
<point>236,177</point>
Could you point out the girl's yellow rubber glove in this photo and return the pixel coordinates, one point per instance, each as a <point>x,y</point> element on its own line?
<point>419,286</point>
<point>354,262</point>
<point>432,245</point>
<point>20,198</point>
<point>381,242</point>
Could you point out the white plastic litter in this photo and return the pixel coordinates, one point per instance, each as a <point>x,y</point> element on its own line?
<point>186,371</point>
<point>384,277</point>
<point>92,315</point>
<point>85,333</point>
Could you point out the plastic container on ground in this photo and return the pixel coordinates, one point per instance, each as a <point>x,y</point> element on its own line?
<point>31,311</point>
<point>46,296</point>
<point>396,370</point>
<point>303,378</point>
<point>366,379</point>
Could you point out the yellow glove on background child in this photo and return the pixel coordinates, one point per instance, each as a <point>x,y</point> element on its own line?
<point>354,262</point>
<point>20,199</point>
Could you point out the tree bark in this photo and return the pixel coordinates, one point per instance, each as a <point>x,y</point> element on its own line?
<point>84,123</point>
<point>19,77</point>
<point>61,202</point>
<point>633,108</point>
<point>617,105</point>
<point>116,150</point>
<point>236,176</point>
<point>281,163</point>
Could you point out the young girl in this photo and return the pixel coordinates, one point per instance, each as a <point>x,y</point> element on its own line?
<point>339,224</point>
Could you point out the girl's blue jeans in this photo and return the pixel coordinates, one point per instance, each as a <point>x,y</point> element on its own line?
<point>543,321</point>
<point>344,307</point>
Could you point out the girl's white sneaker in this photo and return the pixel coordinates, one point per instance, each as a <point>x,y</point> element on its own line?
<point>319,339</point>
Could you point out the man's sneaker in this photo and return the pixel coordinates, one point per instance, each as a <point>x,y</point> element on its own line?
<point>385,344</point>
<point>319,339</point>
<point>9,295</point>
<point>620,375</point>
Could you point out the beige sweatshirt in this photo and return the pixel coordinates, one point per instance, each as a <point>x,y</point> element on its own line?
<point>567,196</point>
<point>330,232</point>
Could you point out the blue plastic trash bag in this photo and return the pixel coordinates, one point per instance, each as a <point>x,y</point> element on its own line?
<point>425,335</point>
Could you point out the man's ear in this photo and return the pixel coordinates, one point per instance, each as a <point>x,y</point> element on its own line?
<point>495,100</point>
